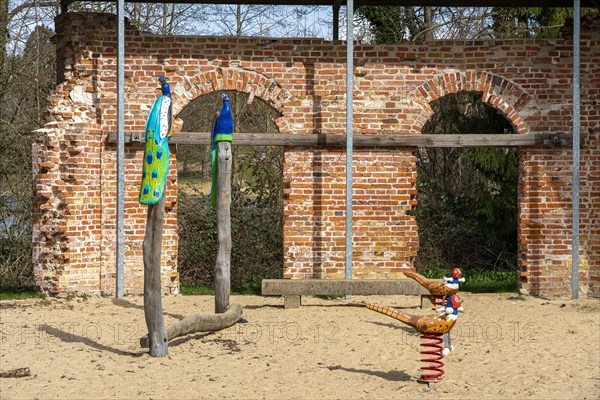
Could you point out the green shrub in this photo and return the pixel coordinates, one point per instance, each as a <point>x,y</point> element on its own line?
<point>257,242</point>
<point>15,262</point>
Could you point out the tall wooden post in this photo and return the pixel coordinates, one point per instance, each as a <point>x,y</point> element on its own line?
<point>157,333</point>
<point>223,264</point>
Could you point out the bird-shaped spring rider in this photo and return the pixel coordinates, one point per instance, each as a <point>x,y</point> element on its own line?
<point>439,291</point>
<point>156,153</point>
<point>222,131</point>
<point>447,287</point>
<point>431,328</point>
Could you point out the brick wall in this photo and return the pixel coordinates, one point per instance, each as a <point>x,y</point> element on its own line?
<point>528,81</point>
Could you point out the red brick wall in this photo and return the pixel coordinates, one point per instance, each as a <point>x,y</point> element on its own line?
<point>314,229</point>
<point>528,81</point>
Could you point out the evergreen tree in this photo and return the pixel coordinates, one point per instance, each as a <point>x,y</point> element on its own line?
<point>541,22</point>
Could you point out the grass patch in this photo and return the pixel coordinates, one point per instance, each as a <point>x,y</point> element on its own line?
<point>12,293</point>
<point>479,280</point>
<point>330,296</point>
<point>202,290</point>
<point>188,290</point>
<point>191,179</point>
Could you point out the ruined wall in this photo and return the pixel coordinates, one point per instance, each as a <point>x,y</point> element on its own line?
<point>528,81</point>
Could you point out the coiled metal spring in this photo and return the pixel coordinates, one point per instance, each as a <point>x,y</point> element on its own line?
<point>432,344</point>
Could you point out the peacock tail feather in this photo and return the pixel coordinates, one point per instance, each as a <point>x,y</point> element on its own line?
<point>156,151</point>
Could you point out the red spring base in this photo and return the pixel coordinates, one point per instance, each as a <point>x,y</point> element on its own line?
<point>433,346</point>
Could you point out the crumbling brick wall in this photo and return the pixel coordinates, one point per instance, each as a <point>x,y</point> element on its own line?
<point>528,81</point>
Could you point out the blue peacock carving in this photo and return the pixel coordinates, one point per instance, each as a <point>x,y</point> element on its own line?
<point>156,153</point>
<point>222,131</point>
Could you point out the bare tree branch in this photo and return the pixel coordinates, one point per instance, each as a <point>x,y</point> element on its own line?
<point>31,4</point>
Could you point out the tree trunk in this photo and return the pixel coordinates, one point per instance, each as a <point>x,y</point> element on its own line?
<point>157,334</point>
<point>428,23</point>
<point>238,17</point>
<point>223,264</point>
<point>3,43</point>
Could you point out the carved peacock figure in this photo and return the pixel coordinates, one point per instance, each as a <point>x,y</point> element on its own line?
<point>222,131</point>
<point>156,153</point>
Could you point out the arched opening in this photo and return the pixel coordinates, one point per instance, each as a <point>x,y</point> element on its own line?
<point>256,211</point>
<point>467,197</point>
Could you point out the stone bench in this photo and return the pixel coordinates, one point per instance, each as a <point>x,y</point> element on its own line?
<point>292,289</point>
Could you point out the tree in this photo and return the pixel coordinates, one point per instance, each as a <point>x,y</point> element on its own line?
<point>541,22</point>
<point>397,24</point>
<point>269,20</point>
<point>28,78</point>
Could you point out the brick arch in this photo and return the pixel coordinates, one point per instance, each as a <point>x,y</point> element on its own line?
<point>500,93</point>
<point>255,84</point>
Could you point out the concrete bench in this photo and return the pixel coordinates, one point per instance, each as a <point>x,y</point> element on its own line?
<point>292,289</point>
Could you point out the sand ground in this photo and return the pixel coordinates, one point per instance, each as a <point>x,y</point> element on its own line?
<point>329,349</point>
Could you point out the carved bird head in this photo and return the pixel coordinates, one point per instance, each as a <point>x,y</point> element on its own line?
<point>456,301</point>
<point>164,86</point>
<point>456,273</point>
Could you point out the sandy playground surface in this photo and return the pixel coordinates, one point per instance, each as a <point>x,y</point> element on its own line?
<point>328,349</point>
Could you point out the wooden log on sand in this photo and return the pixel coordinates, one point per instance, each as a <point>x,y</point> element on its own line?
<point>201,323</point>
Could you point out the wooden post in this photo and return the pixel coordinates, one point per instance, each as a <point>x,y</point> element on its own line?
<point>223,264</point>
<point>157,333</point>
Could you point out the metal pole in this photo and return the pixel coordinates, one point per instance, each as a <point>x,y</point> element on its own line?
<point>349,140</point>
<point>336,20</point>
<point>120,146</point>
<point>576,154</point>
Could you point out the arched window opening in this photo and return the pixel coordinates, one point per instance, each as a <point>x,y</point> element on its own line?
<point>467,197</point>
<point>256,210</point>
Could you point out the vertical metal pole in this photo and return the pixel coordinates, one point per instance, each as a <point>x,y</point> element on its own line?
<point>336,20</point>
<point>120,146</point>
<point>349,139</point>
<point>576,153</point>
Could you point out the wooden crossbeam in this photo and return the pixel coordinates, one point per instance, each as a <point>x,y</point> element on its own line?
<point>366,140</point>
